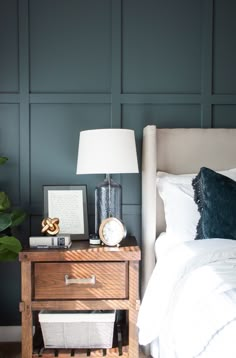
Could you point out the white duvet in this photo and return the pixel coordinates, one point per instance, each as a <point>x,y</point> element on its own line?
<point>190,301</point>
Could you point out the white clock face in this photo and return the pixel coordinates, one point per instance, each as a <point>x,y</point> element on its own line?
<point>111,231</point>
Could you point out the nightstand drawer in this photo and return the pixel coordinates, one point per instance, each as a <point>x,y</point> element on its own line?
<point>90,280</point>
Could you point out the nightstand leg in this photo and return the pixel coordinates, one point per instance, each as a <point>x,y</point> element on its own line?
<point>133,311</point>
<point>133,338</point>
<point>26,314</point>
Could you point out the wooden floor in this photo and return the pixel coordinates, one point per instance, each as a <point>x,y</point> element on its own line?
<point>12,350</point>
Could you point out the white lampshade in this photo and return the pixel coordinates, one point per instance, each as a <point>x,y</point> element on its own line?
<point>107,151</point>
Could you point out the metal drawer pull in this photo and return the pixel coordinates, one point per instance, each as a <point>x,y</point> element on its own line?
<point>91,280</point>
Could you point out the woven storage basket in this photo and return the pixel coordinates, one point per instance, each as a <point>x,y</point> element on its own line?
<point>77,329</point>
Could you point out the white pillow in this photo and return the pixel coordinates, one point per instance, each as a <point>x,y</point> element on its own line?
<point>181,212</point>
<point>164,244</point>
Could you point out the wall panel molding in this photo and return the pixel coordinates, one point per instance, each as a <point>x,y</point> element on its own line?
<point>116,64</point>
<point>24,104</point>
<point>70,98</point>
<point>9,98</point>
<point>155,98</point>
<point>206,73</point>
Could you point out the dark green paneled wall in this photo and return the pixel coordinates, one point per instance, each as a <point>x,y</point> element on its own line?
<point>66,66</point>
<point>161,46</point>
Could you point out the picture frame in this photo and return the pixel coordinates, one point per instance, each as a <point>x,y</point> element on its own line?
<point>69,204</point>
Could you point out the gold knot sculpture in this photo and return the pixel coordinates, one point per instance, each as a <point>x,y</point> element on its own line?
<point>50,226</point>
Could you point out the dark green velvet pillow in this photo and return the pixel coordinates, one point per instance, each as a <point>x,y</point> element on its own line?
<point>215,196</point>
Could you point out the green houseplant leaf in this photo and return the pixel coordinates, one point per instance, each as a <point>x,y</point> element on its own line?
<point>3,160</point>
<point>4,201</point>
<point>9,218</point>
<point>5,221</point>
<point>17,217</point>
<point>9,248</point>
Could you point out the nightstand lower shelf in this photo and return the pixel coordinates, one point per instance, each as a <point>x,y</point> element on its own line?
<point>120,347</point>
<point>80,353</point>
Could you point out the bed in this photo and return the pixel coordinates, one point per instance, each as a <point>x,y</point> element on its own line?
<point>188,307</point>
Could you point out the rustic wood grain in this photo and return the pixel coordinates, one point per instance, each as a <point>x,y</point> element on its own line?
<point>111,280</point>
<point>83,305</point>
<point>81,251</point>
<point>26,313</point>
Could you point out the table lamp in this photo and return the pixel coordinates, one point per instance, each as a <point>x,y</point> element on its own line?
<point>107,151</point>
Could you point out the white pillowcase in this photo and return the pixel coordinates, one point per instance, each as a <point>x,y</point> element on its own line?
<point>181,212</point>
<point>164,244</point>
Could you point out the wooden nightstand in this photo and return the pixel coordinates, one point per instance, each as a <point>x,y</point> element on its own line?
<point>43,286</point>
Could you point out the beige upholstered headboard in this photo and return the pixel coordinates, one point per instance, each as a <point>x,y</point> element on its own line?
<point>176,150</point>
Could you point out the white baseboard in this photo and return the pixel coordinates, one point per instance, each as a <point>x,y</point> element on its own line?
<point>10,333</point>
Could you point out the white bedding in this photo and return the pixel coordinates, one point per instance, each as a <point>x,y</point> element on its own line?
<point>190,301</point>
<point>163,244</point>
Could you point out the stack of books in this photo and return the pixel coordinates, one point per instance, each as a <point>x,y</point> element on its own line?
<point>50,242</point>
